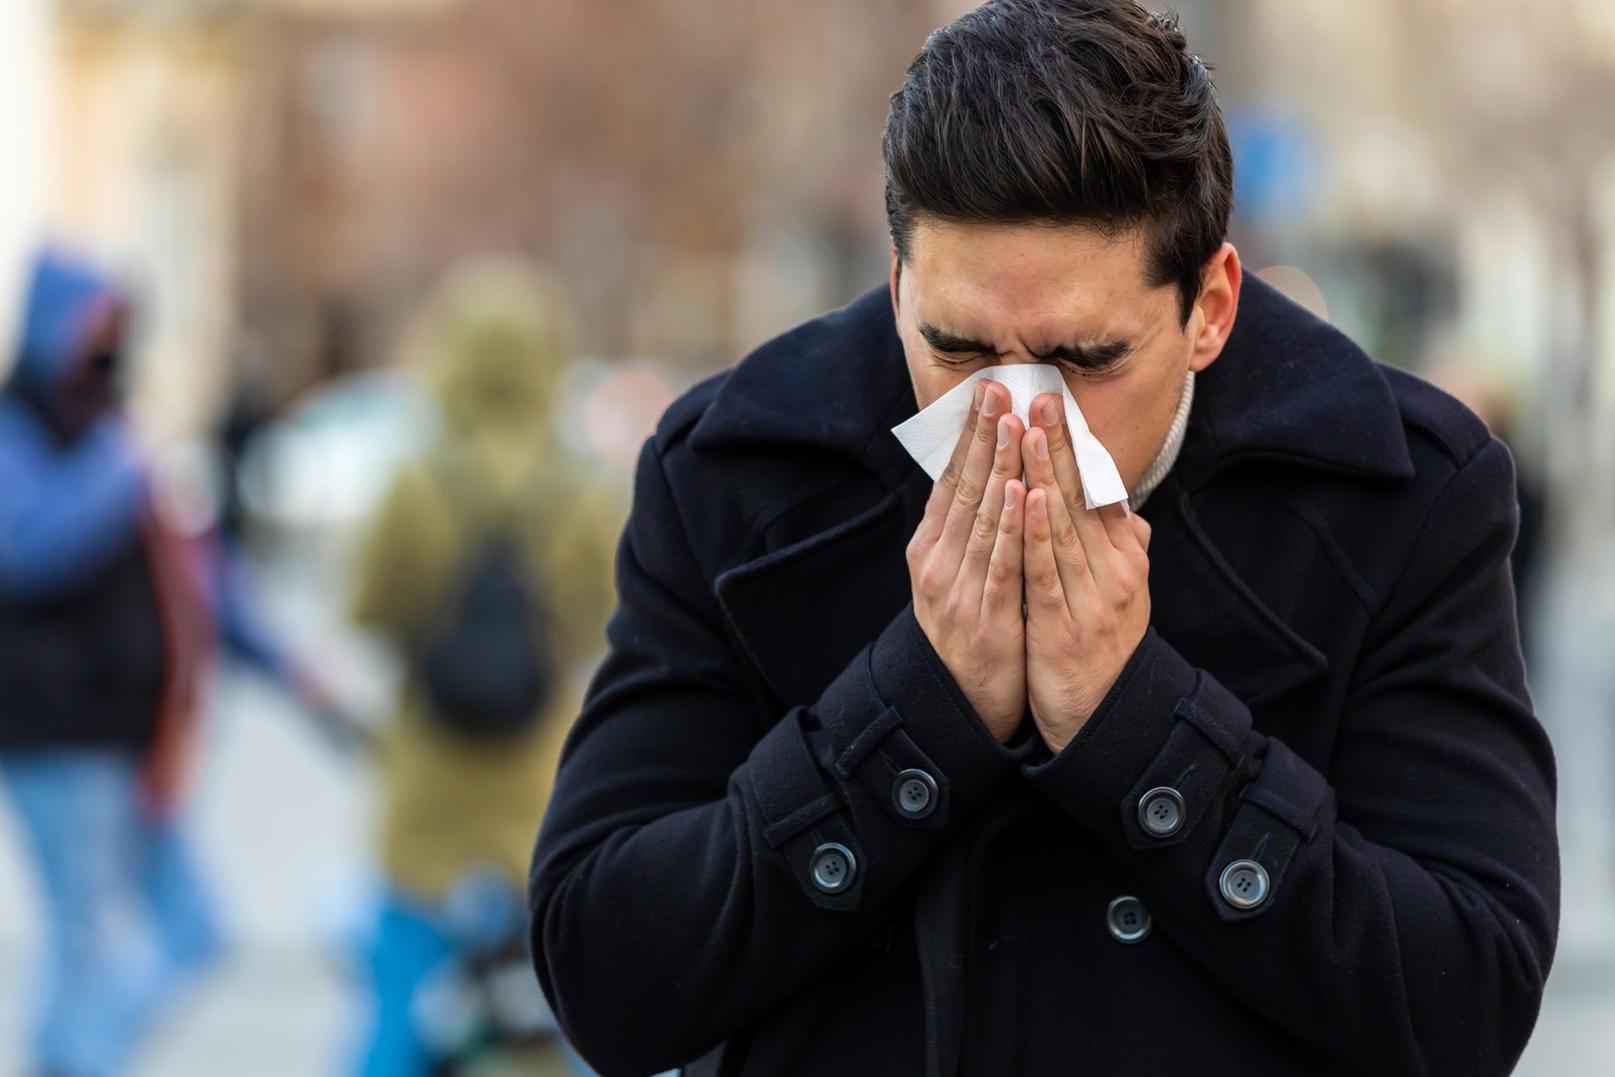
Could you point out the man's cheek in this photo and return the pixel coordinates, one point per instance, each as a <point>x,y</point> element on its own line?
<point>1120,419</point>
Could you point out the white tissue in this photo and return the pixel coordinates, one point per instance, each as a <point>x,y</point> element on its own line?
<point>931,435</point>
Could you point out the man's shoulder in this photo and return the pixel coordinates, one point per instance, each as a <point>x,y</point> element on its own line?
<point>685,411</point>
<point>1328,459</point>
<point>1293,387</point>
<point>1438,426</point>
<point>823,384</point>
<point>1361,450</point>
<point>789,426</point>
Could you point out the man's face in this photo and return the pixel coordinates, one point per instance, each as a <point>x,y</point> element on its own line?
<point>976,295</point>
<point>90,385</point>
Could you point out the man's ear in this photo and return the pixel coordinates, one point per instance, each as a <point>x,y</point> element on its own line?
<point>1213,316</point>
<point>897,277</point>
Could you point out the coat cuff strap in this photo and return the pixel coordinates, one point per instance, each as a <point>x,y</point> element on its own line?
<point>904,712</point>
<point>1163,724</point>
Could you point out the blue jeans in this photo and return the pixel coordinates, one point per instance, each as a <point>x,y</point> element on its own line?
<point>408,946</point>
<point>411,942</point>
<point>126,917</point>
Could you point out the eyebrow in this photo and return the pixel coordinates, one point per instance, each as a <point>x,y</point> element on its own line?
<point>1087,356</point>
<point>954,344</point>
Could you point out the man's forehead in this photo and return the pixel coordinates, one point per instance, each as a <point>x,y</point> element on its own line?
<point>1047,285</point>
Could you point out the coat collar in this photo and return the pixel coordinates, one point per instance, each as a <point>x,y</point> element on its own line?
<point>1287,386</point>
<point>1290,386</point>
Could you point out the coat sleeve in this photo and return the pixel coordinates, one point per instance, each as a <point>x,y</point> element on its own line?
<point>243,626</point>
<point>672,895</point>
<point>1410,905</point>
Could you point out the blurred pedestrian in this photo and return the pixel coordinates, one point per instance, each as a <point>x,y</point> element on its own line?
<point>488,566</point>
<point>109,614</point>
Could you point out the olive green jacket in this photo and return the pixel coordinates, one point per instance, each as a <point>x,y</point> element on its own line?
<point>452,802</point>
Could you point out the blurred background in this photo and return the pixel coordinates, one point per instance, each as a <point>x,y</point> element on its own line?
<point>282,183</point>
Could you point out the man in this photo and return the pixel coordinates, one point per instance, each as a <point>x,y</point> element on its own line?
<point>1252,785</point>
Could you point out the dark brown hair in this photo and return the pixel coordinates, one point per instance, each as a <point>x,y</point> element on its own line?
<point>1089,111</point>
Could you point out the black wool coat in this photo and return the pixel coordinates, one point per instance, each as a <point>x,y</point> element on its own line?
<point>781,842</point>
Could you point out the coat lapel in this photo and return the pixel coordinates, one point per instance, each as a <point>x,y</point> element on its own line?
<point>803,611</point>
<point>1201,606</point>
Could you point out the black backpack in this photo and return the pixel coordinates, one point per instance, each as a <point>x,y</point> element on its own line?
<point>486,660</point>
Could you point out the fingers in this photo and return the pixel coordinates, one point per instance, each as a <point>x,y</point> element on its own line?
<point>1117,521</point>
<point>1071,553</point>
<point>1048,415</point>
<point>1001,596</point>
<point>1048,412</point>
<point>1141,530</point>
<point>973,481</point>
<point>947,484</point>
<point>1045,594</point>
<point>984,534</point>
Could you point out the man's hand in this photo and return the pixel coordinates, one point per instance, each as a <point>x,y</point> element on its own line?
<point>964,562</point>
<point>1087,583</point>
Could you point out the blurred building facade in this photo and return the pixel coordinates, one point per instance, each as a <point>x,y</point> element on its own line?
<point>285,177</point>
<point>25,124</point>
<point>147,99</point>
<point>701,176</point>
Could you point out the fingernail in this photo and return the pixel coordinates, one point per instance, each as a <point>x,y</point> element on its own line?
<point>1042,449</point>
<point>989,404</point>
<point>1051,414</point>
<point>1003,431</point>
<point>976,404</point>
<point>1009,498</point>
<point>1040,509</point>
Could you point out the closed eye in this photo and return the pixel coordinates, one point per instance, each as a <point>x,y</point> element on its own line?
<point>1092,358</point>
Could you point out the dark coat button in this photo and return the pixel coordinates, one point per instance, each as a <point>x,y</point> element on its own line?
<point>914,794</point>
<point>1128,920</point>
<point>832,867</point>
<point>1243,884</point>
<point>1160,811</point>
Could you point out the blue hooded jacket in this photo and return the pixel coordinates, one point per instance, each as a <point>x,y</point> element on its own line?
<point>81,645</point>
<point>68,502</point>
